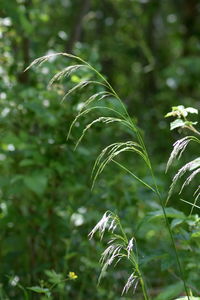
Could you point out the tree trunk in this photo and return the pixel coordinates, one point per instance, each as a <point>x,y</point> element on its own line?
<point>77,27</point>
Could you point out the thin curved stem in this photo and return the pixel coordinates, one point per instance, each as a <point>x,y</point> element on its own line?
<point>135,176</point>
<point>171,235</point>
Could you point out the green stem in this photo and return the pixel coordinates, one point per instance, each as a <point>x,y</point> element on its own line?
<point>141,277</point>
<point>182,276</point>
<point>156,190</point>
<point>193,129</point>
<point>132,174</point>
<point>140,139</point>
<point>143,285</point>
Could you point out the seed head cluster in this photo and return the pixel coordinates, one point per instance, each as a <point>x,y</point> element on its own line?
<point>118,247</point>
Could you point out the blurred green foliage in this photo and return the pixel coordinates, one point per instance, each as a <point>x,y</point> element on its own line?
<point>149,51</point>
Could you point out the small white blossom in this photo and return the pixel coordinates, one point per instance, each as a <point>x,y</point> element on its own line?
<point>171,83</point>
<point>172,18</point>
<point>62,35</point>
<point>77,219</point>
<point>11,147</point>
<point>46,103</point>
<point>5,112</point>
<point>51,141</point>
<point>14,281</point>
<point>2,156</point>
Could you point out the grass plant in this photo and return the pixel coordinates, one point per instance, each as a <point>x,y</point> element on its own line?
<point>119,245</point>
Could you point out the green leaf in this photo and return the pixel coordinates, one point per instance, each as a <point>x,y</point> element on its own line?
<point>189,123</point>
<point>192,110</point>
<point>196,235</point>
<point>158,215</point>
<point>176,222</point>
<point>54,277</point>
<point>186,298</point>
<point>170,292</point>
<point>16,178</point>
<point>170,213</point>
<point>26,162</point>
<point>39,290</point>
<point>169,114</point>
<point>167,261</point>
<point>36,183</point>
<point>153,257</point>
<point>177,123</point>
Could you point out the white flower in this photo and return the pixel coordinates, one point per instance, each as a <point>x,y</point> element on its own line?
<point>14,281</point>
<point>11,147</point>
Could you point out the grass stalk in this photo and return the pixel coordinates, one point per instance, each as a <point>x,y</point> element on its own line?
<point>156,190</point>
<point>182,276</point>
<point>134,261</point>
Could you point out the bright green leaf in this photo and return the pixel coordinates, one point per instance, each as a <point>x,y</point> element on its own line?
<point>177,123</point>
<point>39,290</point>
<point>186,298</point>
<point>192,110</point>
<point>36,183</point>
<point>170,292</point>
<point>196,235</point>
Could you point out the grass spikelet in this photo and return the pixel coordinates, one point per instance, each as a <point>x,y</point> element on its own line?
<point>97,97</point>
<point>179,147</point>
<point>39,61</point>
<point>110,152</point>
<point>118,149</point>
<point>187,167</point>
<point>81,85</point>
<point>130,247</point>
<point>105,120</point>
<point>195,201</point>
<point>196,193</point>
<point>86,111</point>
<point>65,73</point>
<point>119,247</point>
<point>102,225</point>
<point>132,281</point>
<point>189,179</point>
<point>197,190</point>
<point>187,182</point>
